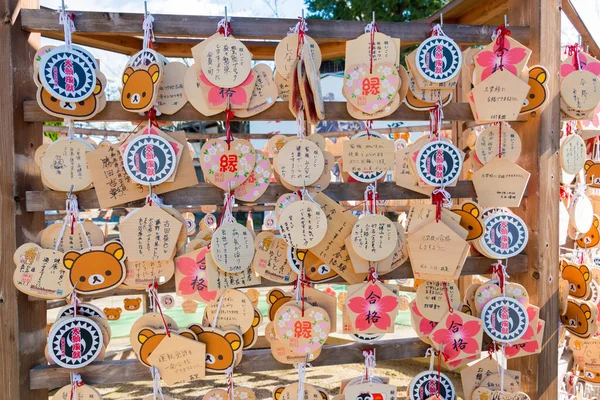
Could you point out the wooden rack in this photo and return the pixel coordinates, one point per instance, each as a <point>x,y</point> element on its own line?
<point>22,200</point>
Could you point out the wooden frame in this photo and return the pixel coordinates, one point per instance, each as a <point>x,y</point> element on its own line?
<point>22,335</point>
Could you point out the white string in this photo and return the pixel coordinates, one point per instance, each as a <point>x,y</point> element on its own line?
<point>214,324</point>
<point>228,203</point>
<point>156,389</point>
<point>71,128</point>
<point>369,364</point>
<point>65,19</point>
<point>437,30</point>
<point>431,354</point>
<point>151,304</point>
<point>76,381</point>
<point>301,377</point>
<point>300,121</point>
<point>502,371</point>
<point>148,30</point>
<point>229,374</point>
<point>156,200</point>
<point>300,25</point>
<point>447,202</point>
<point>370,28</point>
<point>72,207</point>
<point>371,189</point>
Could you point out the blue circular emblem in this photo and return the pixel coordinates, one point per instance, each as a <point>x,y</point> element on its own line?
<point>439,163</point>
<point>149,159</point>
<point>438,59</point>
<point>505,320</point>
<point>505,235</point>
<point>67,74</point>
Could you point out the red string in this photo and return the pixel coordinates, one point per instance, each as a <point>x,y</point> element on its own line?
<point>439,376</point>
<point>151,114</point>
<point>301,35</point>
<point>501,33</point>
<point>72,224</point>
<point>369,126</point>
<point>374,29</point>
<point>499,271</point>
<point>227,27</point>
<point>153,287</point>
<point>574,50</point>
<point>74,387</point>
<point>450,309</point>
<point>437,199</point>
<point>371,277</point>
<point>226,207</point>
<point>499,139</point>
<point>229,136</point>
<point>435,113</point>
<point>299,193</point>
<point>565,194</point>
<point>568,130</point>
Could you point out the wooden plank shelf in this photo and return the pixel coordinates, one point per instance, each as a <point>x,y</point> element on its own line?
<point>52,376</point>
<point>207,194</point>
<point>130,24</point>
<point>334,111</point>
<point>475,265</point>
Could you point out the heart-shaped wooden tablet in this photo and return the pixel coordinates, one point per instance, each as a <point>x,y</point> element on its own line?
<point>303,332</point>
<point>227,167</point>
<point>370,91</point>
<point>258,181</point>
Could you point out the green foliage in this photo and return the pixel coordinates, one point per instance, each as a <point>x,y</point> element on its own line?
<point>361,10</point>
<point>53,135</point>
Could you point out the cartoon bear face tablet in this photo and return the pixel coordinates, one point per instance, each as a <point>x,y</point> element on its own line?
<point>222,347</point>
<point>96,270</point>
<point>580,318</point>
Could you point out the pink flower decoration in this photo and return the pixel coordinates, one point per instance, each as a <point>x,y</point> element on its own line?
<point>458,336</point>
<point>595,121</point>
<point>194,279</point>
<point>218,95</point>
<point>373,309</point>
<point>529,333</point>
<point>490,60</point>
<point>593,66</point>
<point>426,325</point>
<point>514,349</point>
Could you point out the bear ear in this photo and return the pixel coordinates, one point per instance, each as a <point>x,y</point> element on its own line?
<point>119,310</point>
<point>256,320</point>
<point>144,335</point>
<point>127,73</point>
<point>234,340</point>
<point>275,295</point>
<point>586,310</point>
<point>106,310</point>
<point>277,392</point>
<point>596,222</point>
<point>539,74</point>
<point>115,249</point>
<point>188,335</point>
<point>98,87</point>
<point>138,300</point>
<point>471,209</point>
<point>154,72</point>
<point>562,264</point>
<point>585,271</point>
<point>197,329</point>
<point>323,395</point>
<point>69,259</point>
<point>588,164</point>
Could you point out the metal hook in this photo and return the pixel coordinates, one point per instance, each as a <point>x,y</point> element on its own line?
<point>506,20</point>
<point>63,5</point>
<point>441,20</point>
<point>150,190</point>
<point>373,18</point>
<point>145,8</point>
<point>70,191</point>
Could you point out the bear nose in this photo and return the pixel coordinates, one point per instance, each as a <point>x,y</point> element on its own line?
<point>67,105</point>
<point>210,359</point>
<point>96,279</point>
<point>135,98</point>
<point>324,269</point>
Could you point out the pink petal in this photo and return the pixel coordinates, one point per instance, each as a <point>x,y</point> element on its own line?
<point>187,266</point>
<point>200,258</point>
<point>471,346</point>
<point>185,285</point>
<point>512,350</point>
<point>566,69</point>
<point>238,96</point>
<point>486,59</point>
<point>248,79</point>
<point>361,322</point>
<point>454,318</point>
<point>441,335</point>
<point>214,96</point>
<point>511,68</point>
<point>426,326</point>
<point>514,56</point>
<point>528,333</point>
<point>207,295</point>
<point>373,289</point>
<point>594,68</point>
<point>415,309</point>
<point>204,79</point>
<point>388,303</point>
<point>384,321</point>
<point>486,73</point>
<point>358,305</point>
<point>471,328</point>
<point>450,352</point>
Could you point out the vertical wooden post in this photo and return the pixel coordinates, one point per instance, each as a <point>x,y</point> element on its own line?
<point>22,331</point>
<point>540,137</point>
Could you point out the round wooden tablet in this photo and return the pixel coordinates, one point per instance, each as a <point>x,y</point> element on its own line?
<point>581,90</point>
<point>226,62</point>
<point>487,145</point>
<point>572,154</point>
<point>232,247</point>
<point>286,50</point>
<point>303,224</point>
<point>233,309</point>
<point>64,164</point>
<point>581,212</point>
<point>84,392</point>
<point>374,237</point>
<point>431,299</point>
<point>300,162</point>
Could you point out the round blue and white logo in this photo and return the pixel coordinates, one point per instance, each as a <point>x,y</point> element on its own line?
<point>439,163</point>
<point>505,236</point>
<point>67,74</point>
<point>438,59</point>
<point>425,385</point>
<point>74,342</point>
<point>505,319</point>
<point>149,159</point>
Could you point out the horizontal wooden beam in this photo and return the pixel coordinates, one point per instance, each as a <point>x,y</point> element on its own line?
<point>119,371</point>
<point>334,111</point>
<point>253,28</point>
<point>476,265</point>
<point>205,193</point>
<point>586,36</point>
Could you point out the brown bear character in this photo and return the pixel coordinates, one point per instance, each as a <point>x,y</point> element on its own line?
<point>132,304</point>
<point>592,237</point>
<point>580,318</point>
<point>140,86</point>
<point>579,278</point>
<point>276,298</point>
<point>470,220</point>
<point>538,91</point>
<point>592,174</point>
<point>251,335</point>
<point>221,347</point>
<point>277,392</point>
<point>98,269</point>
<point>588,375</point>
<point>113,314</point>
<point>316,271</point>
<point>79,110</point>
<point>149,340</point>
